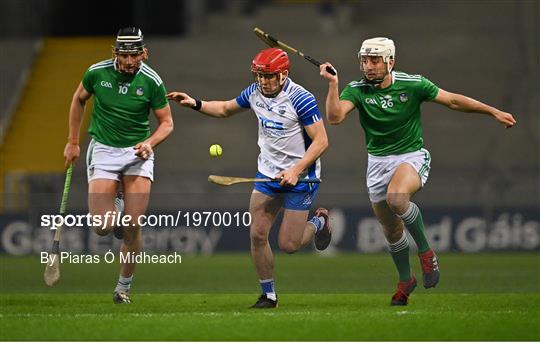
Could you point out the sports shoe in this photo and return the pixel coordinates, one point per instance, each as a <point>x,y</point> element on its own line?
<point>324,235</point>
<point>404,289</point>
<point>118,231</point>
<point>120,297</point>
<point>264,302</point>
<point>430,268</point>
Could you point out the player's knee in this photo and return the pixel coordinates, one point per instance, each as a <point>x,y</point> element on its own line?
<point>132,235</point>
<point>397,202</point>
<point>289,246</point>
<point>258,238</point>
<point>102,230</point>
<point>102,223</point>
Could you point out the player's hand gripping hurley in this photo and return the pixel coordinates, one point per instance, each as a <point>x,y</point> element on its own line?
<point>272,42</point>
<point>52,270</point>
<point>231,180</point>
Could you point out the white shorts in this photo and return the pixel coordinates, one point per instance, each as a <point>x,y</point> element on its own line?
<point>381,169</point>
<point>107,162</point>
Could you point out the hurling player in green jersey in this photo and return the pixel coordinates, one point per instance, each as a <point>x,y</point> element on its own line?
<point>125,89</point>
<point>388,103</point>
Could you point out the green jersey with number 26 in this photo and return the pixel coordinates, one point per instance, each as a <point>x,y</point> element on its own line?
<point>391,116</point>
<point>122,103</point>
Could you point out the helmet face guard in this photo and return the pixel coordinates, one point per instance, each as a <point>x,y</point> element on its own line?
<point>272,61</point>
<point>377,47</point>
<point>129,41</point>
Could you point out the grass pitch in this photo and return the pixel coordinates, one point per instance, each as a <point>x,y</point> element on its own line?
<point>481,297</point>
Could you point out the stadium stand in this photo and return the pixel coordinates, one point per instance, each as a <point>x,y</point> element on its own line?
<point>475,161</point>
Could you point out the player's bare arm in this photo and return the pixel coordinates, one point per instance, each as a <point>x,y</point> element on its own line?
<point>76,112</point>
<point>220,109</point>
<point>217,109</point>
<point>317,133</point>
<point>336,109</point>
<point>463,103</point>
<point>164,129</point>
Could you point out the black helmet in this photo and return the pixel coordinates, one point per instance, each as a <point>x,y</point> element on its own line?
<point>129,41</point>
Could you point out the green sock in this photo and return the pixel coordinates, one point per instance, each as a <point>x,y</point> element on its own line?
<point>415,224</point>
<point>400,255</point>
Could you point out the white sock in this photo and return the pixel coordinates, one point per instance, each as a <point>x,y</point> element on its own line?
<point>271,296</point>
<point>318,223</point>
<point>124,284</point>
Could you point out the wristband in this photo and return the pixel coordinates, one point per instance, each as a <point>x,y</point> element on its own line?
<point>73,141</point>
<point>198,105</point>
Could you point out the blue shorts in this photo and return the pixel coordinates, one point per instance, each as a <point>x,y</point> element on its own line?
<point>299,197</point>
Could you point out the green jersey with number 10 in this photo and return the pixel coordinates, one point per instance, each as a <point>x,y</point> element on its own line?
<point>122,103</point>
<point>391,116</point>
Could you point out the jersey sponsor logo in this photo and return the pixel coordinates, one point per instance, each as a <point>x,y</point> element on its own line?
<point>260,104</point>
<point>139,91</point>
<point>371,101</point>
<point>270,124</point>
<point>403,97</point>
<point>106,84</point>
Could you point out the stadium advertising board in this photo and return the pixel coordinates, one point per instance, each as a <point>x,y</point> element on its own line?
<point>461,230</point>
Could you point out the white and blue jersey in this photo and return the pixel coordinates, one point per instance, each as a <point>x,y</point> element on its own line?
<point>282,137</point>
<point>283,140</point>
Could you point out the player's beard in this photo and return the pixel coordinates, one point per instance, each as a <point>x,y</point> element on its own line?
<point>375,79</point>
<point>272,94</point>
<point>127,69</point>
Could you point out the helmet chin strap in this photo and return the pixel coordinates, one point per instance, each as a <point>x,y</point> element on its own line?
<point>373,82</point>
<point>282,79</point>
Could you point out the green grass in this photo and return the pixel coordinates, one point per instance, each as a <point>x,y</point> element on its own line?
<point>481,297</point>
<point>301,317</point>
<point>298,273</point>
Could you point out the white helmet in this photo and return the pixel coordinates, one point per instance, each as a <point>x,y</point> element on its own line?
<point>379,46</point>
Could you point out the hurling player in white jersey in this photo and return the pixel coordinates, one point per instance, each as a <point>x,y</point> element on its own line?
<point>292,137</point>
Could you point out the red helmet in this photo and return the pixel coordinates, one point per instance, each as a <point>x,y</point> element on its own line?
<point>271,60</point>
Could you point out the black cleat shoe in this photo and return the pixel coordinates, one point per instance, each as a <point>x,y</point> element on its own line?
<point>118,231</point>
<point>404,289</point>
<point>264,302</point>
<point>324,235</point>
<point>430,268</point>
<point>121,298</point>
